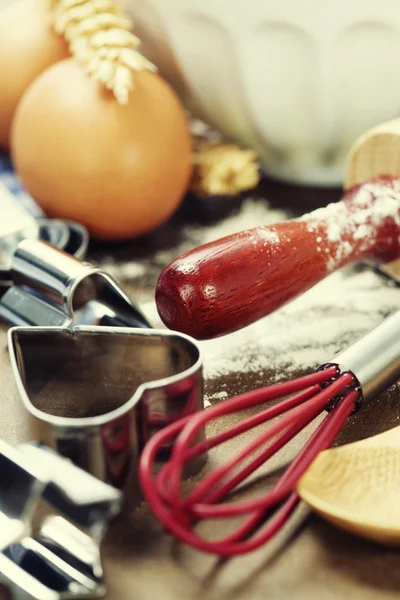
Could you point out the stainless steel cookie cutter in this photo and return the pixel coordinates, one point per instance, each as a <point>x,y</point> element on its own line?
<point>43,285</point>
<point>53,556</point>
<point>51,287</point>
<point>97,394</point>
<point>65,235</point>
<point>17,224</point>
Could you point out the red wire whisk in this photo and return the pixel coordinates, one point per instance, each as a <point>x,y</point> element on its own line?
<point>356,374</point>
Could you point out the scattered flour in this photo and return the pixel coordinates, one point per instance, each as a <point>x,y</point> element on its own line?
<point>129,270</point>
<point>311,329</point>
<point>215,396</point>
<point>252,213</point>
<point>307,332</point>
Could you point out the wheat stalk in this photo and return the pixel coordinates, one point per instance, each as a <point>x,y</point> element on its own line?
<point>100,38</point>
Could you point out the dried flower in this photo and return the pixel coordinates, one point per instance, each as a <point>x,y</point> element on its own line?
<point>223,169</point>
<point>100,38</point>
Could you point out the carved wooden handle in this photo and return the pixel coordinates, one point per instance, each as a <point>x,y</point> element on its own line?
<point>227,284</point>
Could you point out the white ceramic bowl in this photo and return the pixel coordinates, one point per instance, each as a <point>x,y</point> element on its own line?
<point>298,80</point>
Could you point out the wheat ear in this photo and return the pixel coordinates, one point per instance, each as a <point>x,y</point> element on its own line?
<point>223,169</point>
<point>100,38</point>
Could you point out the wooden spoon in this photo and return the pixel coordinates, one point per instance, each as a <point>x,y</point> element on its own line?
<point>230,283</point>
<point>357,487</point>
<point>375,152</point>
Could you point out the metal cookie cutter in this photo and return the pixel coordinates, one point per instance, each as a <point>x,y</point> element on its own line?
<point>97,394</point>
<point>43,285</point>
<point>51,287</point>
<point>55,556</point>
<point>18,224</point>
<point>65,235</point>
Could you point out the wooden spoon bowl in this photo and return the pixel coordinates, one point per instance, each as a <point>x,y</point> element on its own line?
<point>357,487</point>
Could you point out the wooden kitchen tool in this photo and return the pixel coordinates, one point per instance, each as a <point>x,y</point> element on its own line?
<point>230,283</point>
<point>357,487</point>
<point>374,153</point>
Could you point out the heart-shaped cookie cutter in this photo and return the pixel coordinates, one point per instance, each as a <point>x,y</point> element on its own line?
<point>97,394</point>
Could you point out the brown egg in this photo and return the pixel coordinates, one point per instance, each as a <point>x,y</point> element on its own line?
<point>121,170</point>
<point>28,46</point>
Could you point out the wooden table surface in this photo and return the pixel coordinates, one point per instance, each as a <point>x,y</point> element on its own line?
<point>312,559</point>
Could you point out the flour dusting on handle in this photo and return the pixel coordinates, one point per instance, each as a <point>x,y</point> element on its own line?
<point>355,225</point>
